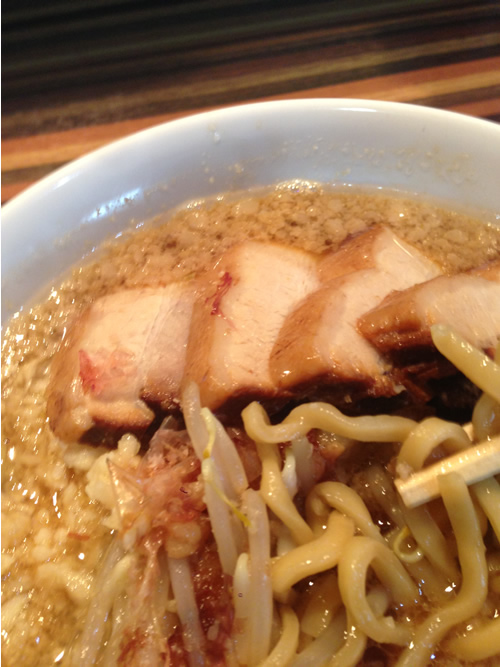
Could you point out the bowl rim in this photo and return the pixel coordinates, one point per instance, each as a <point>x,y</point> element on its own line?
<point>44,228</point>
<point>83,162</point>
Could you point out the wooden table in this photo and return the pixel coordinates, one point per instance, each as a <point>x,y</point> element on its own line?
<point>77,76</point>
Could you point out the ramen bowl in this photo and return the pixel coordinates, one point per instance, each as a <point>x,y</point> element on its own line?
<point>126,582</point>
<point>64,217</point>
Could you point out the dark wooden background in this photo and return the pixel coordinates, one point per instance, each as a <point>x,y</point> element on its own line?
<point>78,74</point>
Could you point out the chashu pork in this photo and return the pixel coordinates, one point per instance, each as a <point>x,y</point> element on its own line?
<point>126,351</point>
<point>248,295</point>
<point>377,248</point>
<point>319,343</point>
<point>468,302</point>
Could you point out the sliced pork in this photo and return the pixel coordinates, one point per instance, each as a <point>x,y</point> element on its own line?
<point>126,350</point>
<point>247,297</point>
<point>468,302</point>
<point>377,248</point>
<point>319,343</point>
<point>267,322</point>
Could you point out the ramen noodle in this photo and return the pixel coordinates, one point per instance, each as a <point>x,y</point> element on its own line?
<point>294,547</point>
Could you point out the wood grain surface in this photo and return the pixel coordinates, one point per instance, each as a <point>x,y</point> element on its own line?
<point>78,75</point>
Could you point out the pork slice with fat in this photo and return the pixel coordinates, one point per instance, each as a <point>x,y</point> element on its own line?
<point>468,302</point>
<point>378,248</point>
<point>165,356</point>
<point>125,351</point>
<point>319,343</point>
<point>247,297</point>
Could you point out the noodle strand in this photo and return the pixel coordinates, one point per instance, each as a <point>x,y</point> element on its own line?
<point>304,418</point>
<point>276,496</point>
<point>283,652</point>
<point>474,586</point>
<point>361,553</point>
<point>319,555</point>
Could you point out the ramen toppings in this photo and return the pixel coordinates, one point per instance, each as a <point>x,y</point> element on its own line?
<point>228,544</point>
<point>470,303</point>
<point>267,322</point>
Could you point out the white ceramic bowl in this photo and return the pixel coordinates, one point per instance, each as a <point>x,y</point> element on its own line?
<point>63,217</point>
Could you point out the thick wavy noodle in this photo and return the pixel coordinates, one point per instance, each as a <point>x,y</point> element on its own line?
<point>422,583</point>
